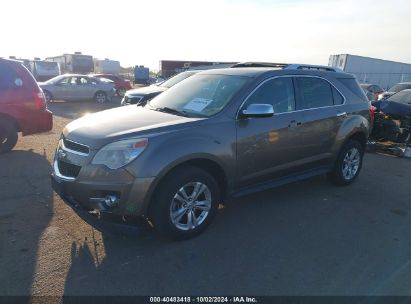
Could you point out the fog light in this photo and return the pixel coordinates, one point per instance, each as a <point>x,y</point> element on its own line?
<point>111,201</point>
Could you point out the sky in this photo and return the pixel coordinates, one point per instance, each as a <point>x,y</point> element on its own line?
<point>145,32</point>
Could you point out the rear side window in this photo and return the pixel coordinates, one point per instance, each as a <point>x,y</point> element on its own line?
<point>338,99</point>
<point>314,92</point>
<point>8,77</point>
<point>353,86</point>
<point>279,92</point>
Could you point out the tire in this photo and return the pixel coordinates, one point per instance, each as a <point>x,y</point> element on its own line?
<point>348,164</point>
<point>48,96</point>
<point>8,136</point>
<point>100,97</point>
<point>165,203</point>
<point>121,92</point>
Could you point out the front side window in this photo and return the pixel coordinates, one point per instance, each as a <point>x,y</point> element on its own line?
<point>279,92</point>
<point>199,95</point>
<point>314,92</point>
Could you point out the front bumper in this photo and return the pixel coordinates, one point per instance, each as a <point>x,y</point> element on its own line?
<point>94,183</point>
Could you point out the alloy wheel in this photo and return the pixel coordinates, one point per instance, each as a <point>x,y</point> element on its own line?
<point>190,206</point>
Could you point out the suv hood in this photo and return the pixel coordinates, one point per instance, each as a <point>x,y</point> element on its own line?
<point>99,129</point>
<point>146,90</point>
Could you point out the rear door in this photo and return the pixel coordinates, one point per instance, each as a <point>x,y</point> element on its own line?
<point>87,88</point>
<point>321,105</point>
<point>270,147</point>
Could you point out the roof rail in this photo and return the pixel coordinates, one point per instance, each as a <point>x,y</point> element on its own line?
<point>312,67</point>
<point>286,66</point>
<point>259,65</point>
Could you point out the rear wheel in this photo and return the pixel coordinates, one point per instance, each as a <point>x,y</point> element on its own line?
<point>121,92</point>
<point>185,203</point>
<point>8,136</point>
<point>348,164</point>
<point>100,97</point>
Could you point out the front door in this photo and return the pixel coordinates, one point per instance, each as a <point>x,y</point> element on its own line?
<point>270,147</point>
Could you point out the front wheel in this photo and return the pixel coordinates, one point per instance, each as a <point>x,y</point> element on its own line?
<point>48,97</point>
<point>348,164</point>
<point>185,204</point>
<point>100,97</point>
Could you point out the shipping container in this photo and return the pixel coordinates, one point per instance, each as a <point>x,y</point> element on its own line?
<point>106,66</point>
<point>384,73</point>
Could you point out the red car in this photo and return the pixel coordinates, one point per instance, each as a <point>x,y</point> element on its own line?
<point>121,84</point>
<point>22,105</point>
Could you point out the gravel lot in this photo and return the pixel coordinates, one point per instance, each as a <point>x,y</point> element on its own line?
<point>306,238</point>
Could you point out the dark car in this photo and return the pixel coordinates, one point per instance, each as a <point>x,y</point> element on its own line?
<point>142,95</point>
<point>372,91</point>
<point>218,134</point>
<point>395,89</point>
<point>22,105</point>
<point>121,85</point>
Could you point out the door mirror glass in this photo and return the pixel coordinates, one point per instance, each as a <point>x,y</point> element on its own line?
<point>256,110</point>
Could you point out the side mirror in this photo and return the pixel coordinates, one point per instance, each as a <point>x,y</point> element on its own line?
<point>258,110</point>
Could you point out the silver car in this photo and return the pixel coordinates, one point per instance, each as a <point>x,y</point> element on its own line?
<point>77,87</point>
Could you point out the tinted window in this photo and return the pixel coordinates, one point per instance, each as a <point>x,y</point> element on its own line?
<point>314,92</point>
<point>402,97</point>
<point>338,99</point>
<point>279,92</point>
<point>353,86</point>
<point>7,77</point>
<point>399,87</point>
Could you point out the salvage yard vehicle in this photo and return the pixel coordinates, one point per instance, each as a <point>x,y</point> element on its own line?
<point>143,95</point>
<point>22,105</point>
<point>218,134</point>
<point>395,89</point>
<point>372,91</point>
<point>77,87</point>
<point>121,85</point>
<point>393,119</point>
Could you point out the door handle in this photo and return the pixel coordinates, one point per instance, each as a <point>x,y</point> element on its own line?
<point>294,124</point>
<point>342,114</point>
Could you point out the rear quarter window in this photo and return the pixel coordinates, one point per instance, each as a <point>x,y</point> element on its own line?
<point>352,85</point>
<point>7,77</point>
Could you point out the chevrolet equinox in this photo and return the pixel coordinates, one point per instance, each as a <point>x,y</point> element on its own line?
<point>218,134</point>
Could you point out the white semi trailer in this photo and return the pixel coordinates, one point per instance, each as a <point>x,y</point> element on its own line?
<point>385,73</point>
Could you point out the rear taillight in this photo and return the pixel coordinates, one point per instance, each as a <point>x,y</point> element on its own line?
<point>372,112</point>
<point>39,101</point>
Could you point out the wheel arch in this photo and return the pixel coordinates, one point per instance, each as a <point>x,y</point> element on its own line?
<point>10,118</point>
<point>210,166</point>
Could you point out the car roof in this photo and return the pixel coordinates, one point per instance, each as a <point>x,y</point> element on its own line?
<point>254,72</point>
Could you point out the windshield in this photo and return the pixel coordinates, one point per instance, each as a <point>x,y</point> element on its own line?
<point>176,79</point>
<point>399,87</point>
<point>402,97</point>
<point>200,95</point>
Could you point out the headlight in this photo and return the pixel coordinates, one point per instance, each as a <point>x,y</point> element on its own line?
<point>120,153</point>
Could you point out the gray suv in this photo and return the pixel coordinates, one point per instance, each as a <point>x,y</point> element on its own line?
<point>218,134</point>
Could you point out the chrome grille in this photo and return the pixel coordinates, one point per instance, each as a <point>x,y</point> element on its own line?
<point>76,147</point>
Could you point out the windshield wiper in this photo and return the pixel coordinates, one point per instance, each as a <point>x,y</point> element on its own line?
<point>171,111</point>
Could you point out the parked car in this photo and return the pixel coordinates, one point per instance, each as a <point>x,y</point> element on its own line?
<point>22,105</point>
<point>77,87</point>
<point>372,91</point>
<point>121,85</point>
<point>142,95</point>
<point>218,134</point>
<point>395,89</point>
